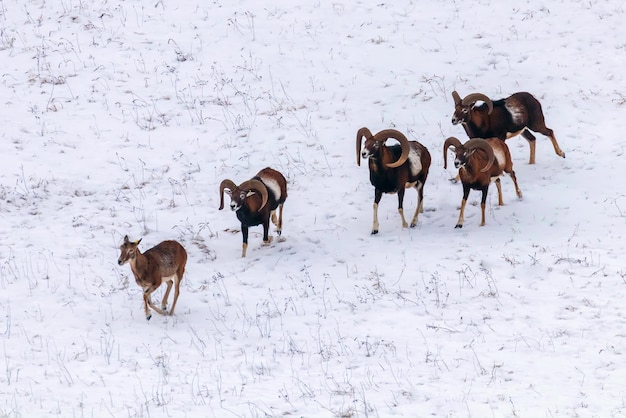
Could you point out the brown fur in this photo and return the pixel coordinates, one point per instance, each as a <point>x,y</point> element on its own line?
<point>165,261</point>
<point>249,206</point>
<point>519,113</point>
<point>390,169</point>
<point>472,160</point>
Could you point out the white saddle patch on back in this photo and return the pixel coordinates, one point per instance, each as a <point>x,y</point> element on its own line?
<point>517,112</point>
<point>272,185</point>
<point>415,162</point>
<point>499,157</point>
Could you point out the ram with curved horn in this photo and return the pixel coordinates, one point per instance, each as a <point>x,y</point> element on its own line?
<point>517,114</point>
<point>393,168</point>
<point>480,161</point>
<point>255,202</point>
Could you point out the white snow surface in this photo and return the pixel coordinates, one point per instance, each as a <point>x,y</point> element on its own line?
<point>123,117</point>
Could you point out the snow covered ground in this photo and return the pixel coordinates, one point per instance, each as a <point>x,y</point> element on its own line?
<point>123,117</point>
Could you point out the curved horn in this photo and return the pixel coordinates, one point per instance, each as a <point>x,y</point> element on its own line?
<point>257,186</point>
<point>474,97</point>
<point>456,97</point>
<point>484,145</point>
<point>452,141</point>
<point>226,184</point>
<point>404,143</point>
<point>363,132</point>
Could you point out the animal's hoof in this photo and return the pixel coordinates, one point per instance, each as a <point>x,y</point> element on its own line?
<point>453,180</point>
<point>459,226</point>
<point>148,317</point>
<point>374,231</point>
<point>413,225</point>
<point>278,232</point>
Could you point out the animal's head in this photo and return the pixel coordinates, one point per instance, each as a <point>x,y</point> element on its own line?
<point>463,107</point>
<point>374,143</point>
<point>463,152</point>
<point>128,251</point>
<point>239,194</point>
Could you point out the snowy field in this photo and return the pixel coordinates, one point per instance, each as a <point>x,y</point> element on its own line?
<point>123,117</point>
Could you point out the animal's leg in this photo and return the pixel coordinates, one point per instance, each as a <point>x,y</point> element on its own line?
<point>244,246</point>
<point>145,306</point>
<point>514,178</point>
<point>420,208</point>
<point>279,226</point>
<point>166,295</point>
<point>483,201</point>
<point>532,141</point>
<point>540,126</point>
<point>555,144</point>
<point>375,221</point>
<point>176,291</point>
<point>459,223</point>
<point>499,187</point>
<point>400,209</point>
<point>377,196</point>
<point>482,214</point>
<point>148,302</point>
<point>266,231</point>
<point>178,277</point>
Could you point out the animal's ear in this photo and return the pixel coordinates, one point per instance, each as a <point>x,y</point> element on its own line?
<point>126,240</point>
<point>250,193</point>
<point>138,241</point>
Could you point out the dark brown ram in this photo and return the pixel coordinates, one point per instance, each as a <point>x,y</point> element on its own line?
<point>519,113</point>
<point>255,201</point>
<point>393,168</point>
